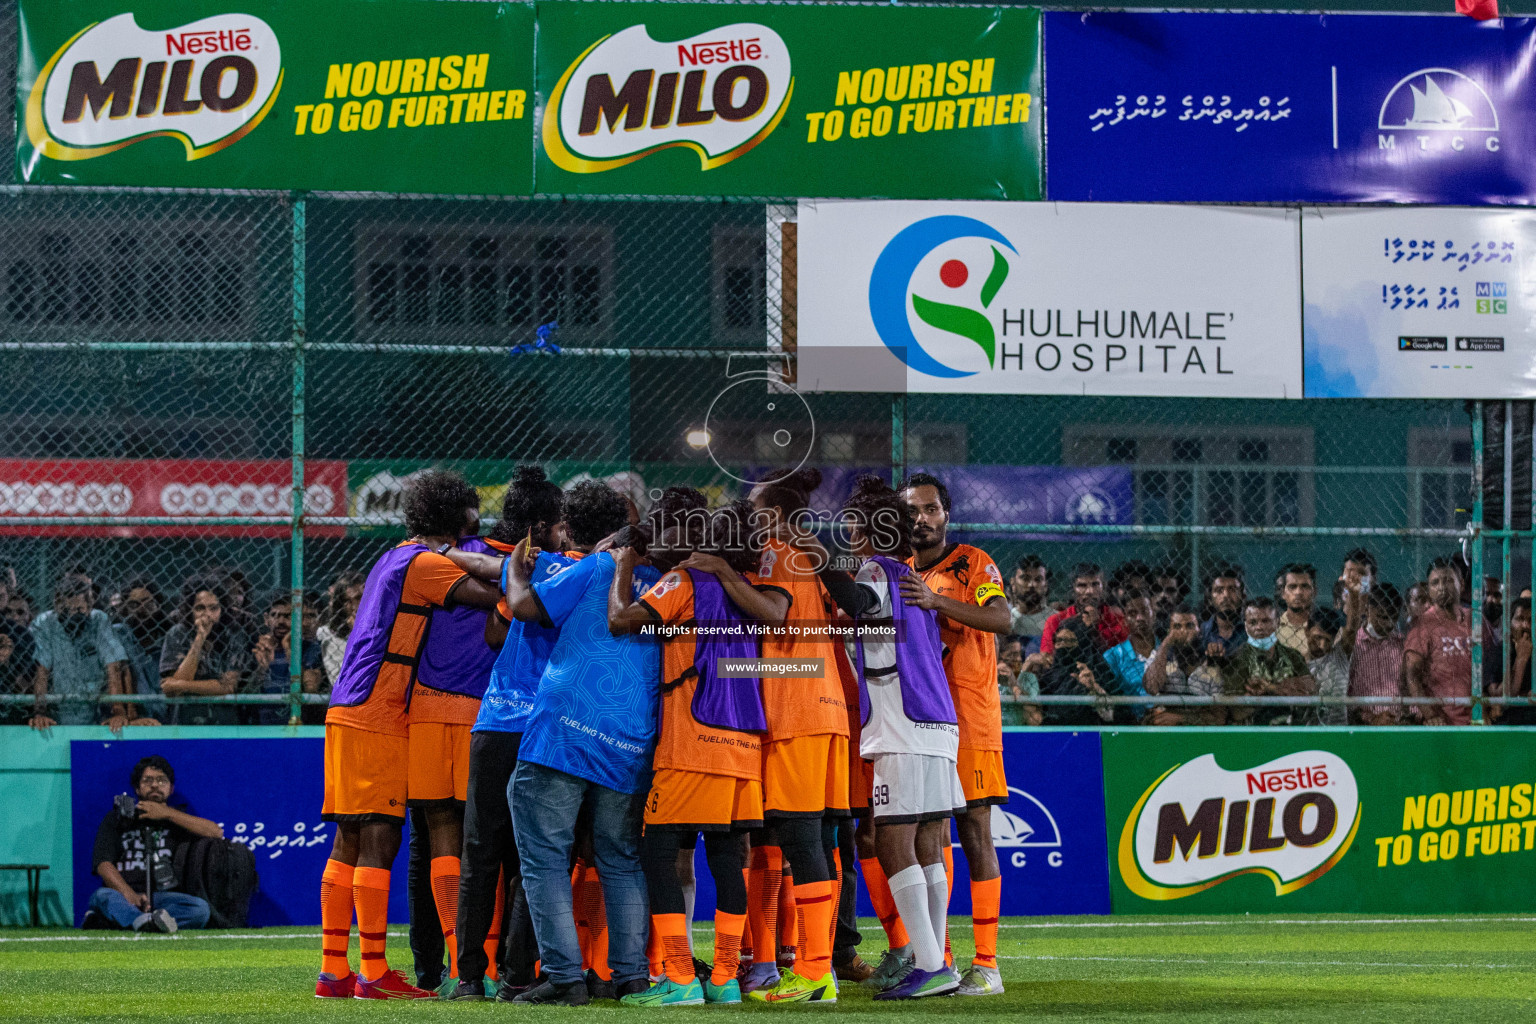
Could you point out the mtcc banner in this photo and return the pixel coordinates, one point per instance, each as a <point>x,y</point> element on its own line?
<point>786,100</point>
<point>1061,299</point>
<point>1366,108</point>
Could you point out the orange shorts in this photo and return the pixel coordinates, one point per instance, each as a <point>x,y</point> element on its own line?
<point>439,763</point>
<point>806,776</point>
<point>365,776</point>
<point>700,802</point>
<point>981,777</point>
<point>862,776</point>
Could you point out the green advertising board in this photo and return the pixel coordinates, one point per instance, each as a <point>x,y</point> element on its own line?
<point>365,95</point>
<point>789,100</point>
<point>1277,820</point>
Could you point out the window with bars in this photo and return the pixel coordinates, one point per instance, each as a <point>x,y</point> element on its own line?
<point>484,286</point>
<point>739,284</point>
<point>1440,484</point>
<point>1214,476</point>
<point>131,280</point>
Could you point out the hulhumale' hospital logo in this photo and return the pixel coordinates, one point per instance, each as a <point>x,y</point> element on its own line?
<point>208,83</point>
<point>720,94</point>
<point>1438,109</point>
<point>1291,820</point>
<point>895,283</point>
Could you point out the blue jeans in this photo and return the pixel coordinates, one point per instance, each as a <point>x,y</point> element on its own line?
<point>189,911</point>
<point>544,805</point>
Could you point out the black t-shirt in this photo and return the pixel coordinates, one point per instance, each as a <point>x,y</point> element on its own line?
<point>123,840</point>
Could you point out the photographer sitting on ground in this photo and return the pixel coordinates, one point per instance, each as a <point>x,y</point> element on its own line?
<point>132,898</point>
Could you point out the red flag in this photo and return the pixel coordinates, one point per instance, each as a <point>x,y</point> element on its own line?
<point>1481,10</point>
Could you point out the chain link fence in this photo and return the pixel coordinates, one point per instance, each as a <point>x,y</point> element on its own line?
<point>172,359</point>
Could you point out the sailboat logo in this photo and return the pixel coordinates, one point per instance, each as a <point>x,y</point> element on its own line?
<point>1438,100</point>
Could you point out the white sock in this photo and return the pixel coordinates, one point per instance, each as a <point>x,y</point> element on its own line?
<point>909,890</point>
<point>690,893</point>
<point>938,901</point>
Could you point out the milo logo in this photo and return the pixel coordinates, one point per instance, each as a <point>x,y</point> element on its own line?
<point>207,83</point>
<point>627,96</point>
<point>1291,820</point>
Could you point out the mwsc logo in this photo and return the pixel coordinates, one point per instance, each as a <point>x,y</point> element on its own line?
<point>1291,819</point>
<point>208,83</point>
<point>720,94</point>
<point>895,282</point>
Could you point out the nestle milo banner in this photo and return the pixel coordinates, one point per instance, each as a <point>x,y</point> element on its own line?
<point>371,95</point>
<point>1272,821</point>
<point>789,100</point>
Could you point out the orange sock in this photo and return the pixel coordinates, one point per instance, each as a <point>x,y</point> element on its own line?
<point>493,937</point>
<point>597,925</point>
<point>986,899</point>
<point>816,902</point>
<point>949,877</point>
<point>370,896</point>
<point>673,929</point>
<point>653,952</point>
<point>767,875</point>
<point>445,893</point>
<point>728,929</point>
<point>579,912</point>
<point>789,917</point>
<point>837,897</point>
<point>335,918</point>
<point>879,889</point>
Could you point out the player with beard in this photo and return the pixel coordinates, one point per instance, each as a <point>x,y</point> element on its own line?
<point>963,585</point>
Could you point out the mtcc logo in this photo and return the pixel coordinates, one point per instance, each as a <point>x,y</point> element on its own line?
<point>903,271</point>
<point>1091,505</point>
<point>1442,110</point>
<point>1025,824</point>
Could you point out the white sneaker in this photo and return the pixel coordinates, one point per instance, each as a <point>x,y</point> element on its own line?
<point>981,981</point>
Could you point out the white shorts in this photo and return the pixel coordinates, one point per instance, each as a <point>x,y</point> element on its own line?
<point>912,788</point>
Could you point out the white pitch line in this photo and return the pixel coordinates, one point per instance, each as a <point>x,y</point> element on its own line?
<point>204,936</point>
<point>1283,963</point>
<point>1254,922</point>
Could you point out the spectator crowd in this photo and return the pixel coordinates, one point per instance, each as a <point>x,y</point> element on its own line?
<point>1135,632</point>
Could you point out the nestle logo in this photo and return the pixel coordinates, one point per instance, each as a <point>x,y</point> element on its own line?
<point>227,40</point>
<point>1287,779</point>
<point>719,51</point>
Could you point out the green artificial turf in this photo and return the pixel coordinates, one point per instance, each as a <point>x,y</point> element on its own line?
<point>1448,970</point>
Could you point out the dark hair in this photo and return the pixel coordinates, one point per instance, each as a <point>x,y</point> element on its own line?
<point>531,498</point>
<point>1128,571</point>
<point>332,616</point>
<point>732,537</point>
<point>1360,556</point>
<point>189,591</point>
<point>1327,619</point>
<point>1082,569</point>
<point>1224,571</point>
<point>1384,597</point>
<point>152,761</point>
<point>142,583</point>
<point>592,510</point>
<point>674,501</point>
<point>1029,562</point>
<point>1184,608</point>
<point>928,480</point>
<point>881,514</point>
<point>792,494</point>
<point>435,502</point>
<point>1263,604</point>
<point>1137,594</point>
<point>1298,569</point>
<point>73,584</point>
<point>1442,562</point>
